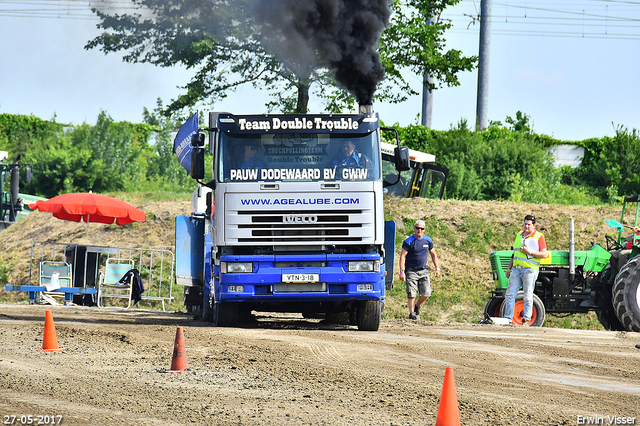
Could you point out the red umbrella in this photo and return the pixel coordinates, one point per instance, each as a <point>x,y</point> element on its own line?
<point>90,207</point>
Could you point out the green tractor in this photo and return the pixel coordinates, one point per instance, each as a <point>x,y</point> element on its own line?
<point>606,281</point>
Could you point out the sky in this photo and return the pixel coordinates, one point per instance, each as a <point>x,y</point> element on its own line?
<point>571,66</point>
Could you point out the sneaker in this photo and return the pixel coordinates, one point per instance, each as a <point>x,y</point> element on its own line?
<point>416,310</point>
<point>526,323</point>
<point>413,316</point>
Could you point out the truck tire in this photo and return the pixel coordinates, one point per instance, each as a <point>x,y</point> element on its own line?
<point>626,295</point>
<point>338,317</point>
<point>225,314</point>
<point>192,299</point>
<point>369,315</point>
<point>207,310</point>
<point>245,314</point>
<point>538,312</point>
<point>492,308</point>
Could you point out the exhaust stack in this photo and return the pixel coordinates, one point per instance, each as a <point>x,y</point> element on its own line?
<point>572,257</point>
<point>365,109</point>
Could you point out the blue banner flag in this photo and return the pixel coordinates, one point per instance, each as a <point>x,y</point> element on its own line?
<point>182,142</point>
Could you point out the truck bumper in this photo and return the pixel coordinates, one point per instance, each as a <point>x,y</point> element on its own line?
<point>326,279</point>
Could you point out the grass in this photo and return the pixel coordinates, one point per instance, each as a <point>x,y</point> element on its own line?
<point>139,197</point>
<point>464,234</point>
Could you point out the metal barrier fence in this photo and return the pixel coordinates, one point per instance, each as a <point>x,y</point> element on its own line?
<point>156,267</point>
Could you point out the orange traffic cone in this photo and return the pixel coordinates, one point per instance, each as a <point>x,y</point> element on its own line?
<point>179,361</point>
<point>448,414</point>
<point>50,340</point>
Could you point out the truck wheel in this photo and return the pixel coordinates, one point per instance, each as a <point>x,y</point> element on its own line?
<point>225,314</point>
<point>192,299</point>
<point>338,318</point>
<point>537,312</point>
<point>207,310</point>
<point>626,295</point>
<point>493,306</point>
<point>369,315</point>
<point>245,314</point>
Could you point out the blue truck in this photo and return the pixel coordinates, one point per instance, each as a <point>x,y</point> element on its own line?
<point>291,219</point>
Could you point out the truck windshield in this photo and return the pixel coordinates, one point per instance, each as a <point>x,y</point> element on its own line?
<point>298,157</point>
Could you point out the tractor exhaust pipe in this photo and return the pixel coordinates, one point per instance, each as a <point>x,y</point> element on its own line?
<point>572,254</point>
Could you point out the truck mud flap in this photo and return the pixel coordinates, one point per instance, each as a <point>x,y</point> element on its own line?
<point>189,251</point>
<point>389,252</point>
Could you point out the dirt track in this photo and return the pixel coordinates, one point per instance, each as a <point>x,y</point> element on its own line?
<point>291,371</point>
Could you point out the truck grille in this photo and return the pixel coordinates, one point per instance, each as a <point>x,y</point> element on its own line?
<point>348,221</point>
<point>328,227</point>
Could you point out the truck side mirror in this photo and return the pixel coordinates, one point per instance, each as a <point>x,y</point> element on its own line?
<point>29,175</point>
<point>402,158</point>
<point>197,156</point>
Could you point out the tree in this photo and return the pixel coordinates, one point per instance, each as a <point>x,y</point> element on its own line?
<point>287,47</point>
<point>415,40</point>
<point>520,123</point>
<point>481,164</point>
<point>164,171</point>
<point>109,156</point>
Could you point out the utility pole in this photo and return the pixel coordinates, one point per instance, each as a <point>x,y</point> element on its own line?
<point>483,65</point>
<point>427,96</point>
<point>427,100</point>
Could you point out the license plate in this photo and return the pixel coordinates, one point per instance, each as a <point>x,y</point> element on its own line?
<point>300,278</point>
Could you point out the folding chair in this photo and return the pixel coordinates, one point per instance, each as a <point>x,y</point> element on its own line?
<point>48,271</point>
<point>55,275</point>
<point>109,284</point>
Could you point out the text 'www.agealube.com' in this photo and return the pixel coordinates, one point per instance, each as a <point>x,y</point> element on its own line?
<point>299,201</point>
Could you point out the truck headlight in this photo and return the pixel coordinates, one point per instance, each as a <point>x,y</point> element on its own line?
<point>236,268</point>
<point>364,266</point>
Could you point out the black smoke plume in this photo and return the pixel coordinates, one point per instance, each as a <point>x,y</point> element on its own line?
<point>340,35</point>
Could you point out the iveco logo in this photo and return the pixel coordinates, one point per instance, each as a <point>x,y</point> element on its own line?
<point>300,218</point>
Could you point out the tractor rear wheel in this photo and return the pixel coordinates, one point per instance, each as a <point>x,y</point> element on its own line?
<point>609,320</point>
<point>608,317</point>
<point>626,295</point>
<point>537,311</point>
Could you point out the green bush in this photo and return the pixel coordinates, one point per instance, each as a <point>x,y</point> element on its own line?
<point>549,189</point>
<point>611,166</point>
<point>481,163</point>
<point>109,156</point>
<point>498,163</point>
